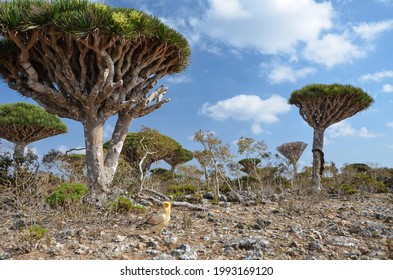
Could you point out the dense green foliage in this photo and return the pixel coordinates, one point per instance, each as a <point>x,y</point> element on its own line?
<point>24,114</point>
<point>81,18</point>
<point>66,194</point>
<point>157,147</point>
<point>330,90</point>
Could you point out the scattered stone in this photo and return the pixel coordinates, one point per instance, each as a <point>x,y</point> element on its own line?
<point>184,252</point>
<point>296,229</point>
<point>18,224</point>
<point>120,238</point>
<point>4,255</point>
<point>170,240</point>
<point>82,250</point>
<point>263,223</point>
<point>164,257</point>
<point>66,233</point>
<point>342,241</point>
<point>315,245</point>
<point>254,255</point>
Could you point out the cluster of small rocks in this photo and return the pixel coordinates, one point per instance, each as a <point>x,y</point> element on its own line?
<point>284,228</point>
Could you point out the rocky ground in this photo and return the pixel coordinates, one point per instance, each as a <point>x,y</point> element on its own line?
<point>356,227</point>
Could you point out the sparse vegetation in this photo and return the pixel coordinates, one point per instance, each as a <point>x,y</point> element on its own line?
<point>88,61</point>
<point>123,205</point>
<point>66,195</point>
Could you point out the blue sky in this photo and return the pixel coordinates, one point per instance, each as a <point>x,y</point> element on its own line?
<point>248,56</point>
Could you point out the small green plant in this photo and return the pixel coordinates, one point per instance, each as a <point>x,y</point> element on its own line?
<point>343,189</point>
<point>389,248</point>
<point>187,221</point>
<point>66,194</point>
<point>36,232</point>
<point>177,191</point>
<point>123,204</point>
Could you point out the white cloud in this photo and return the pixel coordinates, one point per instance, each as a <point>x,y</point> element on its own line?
<point>332,50</point>
<point>285,73</point>
<point>228,9</point>
<point>390,124</point>
<point>378,76</point>
<point>345,129</point>
<point>249,108</point>
<point>369,31</point>
<point>387,88</point>
<point>365,133</point>
<point>256,128</point>
<point>268,26</point>
<point>62,148</point>
<point>385,2</point>
<point>178,79</point>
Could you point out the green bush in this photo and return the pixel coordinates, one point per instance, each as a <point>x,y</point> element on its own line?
<point>37,232</point>
<point>347,189</point>
<point>177,191</point>
<point>123,204</point>
<point>66,194</point>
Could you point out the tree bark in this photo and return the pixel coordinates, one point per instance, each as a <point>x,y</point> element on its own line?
<point>116,145</point>
<point>294,175</point>
<point>19,150</point>
<point>97,179</point>
<point>317,151</point>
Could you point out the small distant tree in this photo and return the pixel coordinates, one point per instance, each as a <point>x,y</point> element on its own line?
<point>23,123</point>
<point>250,165</point>
<point>71,166</point>
<point>255,152</point>
<point>142,149</point>
<point>322,105</point>
<point>177,157</point>
<point>292,151</point>
<point>214,156</point>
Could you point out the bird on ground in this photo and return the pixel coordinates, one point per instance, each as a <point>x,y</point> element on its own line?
<point>157,222</point>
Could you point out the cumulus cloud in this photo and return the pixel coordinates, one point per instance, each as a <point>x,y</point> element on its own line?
<point>387,88</point>
<point>377,76</point>
<point>285,73</point>
<point>268,26</point>
<point>369,31</point>
<point>345,129</point>
<point>390,124</point>
<point>306,29</point>
<point>248,108</point>
<point>179,79</point>
<point>333,49</point>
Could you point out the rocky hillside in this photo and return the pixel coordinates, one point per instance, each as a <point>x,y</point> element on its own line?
<point>356,227</point>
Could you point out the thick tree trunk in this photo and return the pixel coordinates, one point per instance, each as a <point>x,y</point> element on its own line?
<point>19,150</point>
<point>294,175</point>
<point>97,180</point>
<point>317,150</point>
<point>116,145</point>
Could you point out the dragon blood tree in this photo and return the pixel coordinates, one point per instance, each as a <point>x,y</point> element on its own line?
<point>322,105</point>
<point>88,61</point>
<point>22,124</point>
<point>292,151</point>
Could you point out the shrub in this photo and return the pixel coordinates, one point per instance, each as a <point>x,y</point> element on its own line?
<point>37,232</point>
<point>177,191</point>
<point>347,189</point>
<point>66,194</point>
<point>123,204</point>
